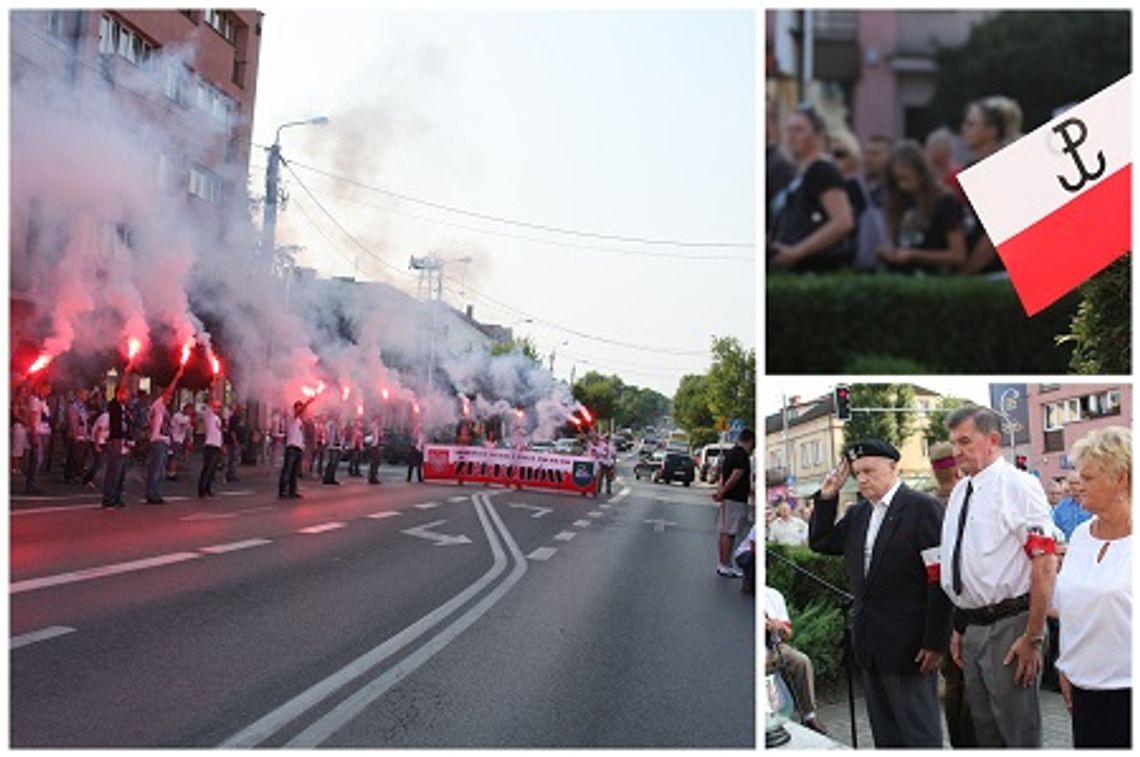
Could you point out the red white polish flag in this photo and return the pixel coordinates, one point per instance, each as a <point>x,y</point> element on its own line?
<point>932,561</point>
<point>1057,203</point>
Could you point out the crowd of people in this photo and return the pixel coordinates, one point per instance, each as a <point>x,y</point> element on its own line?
<point>838,202</point>
<point>978,581</point>
<point>87,437</point>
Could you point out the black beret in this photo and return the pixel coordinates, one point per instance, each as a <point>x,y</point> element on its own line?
<point>871,448</point>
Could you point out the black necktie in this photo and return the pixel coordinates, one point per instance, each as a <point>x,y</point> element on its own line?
<point>957,561</point>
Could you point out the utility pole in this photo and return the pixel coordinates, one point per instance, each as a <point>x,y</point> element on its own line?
<point>272,177</point>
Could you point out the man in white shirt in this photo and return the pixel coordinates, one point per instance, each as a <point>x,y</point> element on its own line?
<point>787,529</point>
<point>795,666</point>
<point>212,450</point>
<point>179,440</point>
<point>99,433</point>
<point>158,421</point>
<point>39,431</point>
<point>294,447</point>
<point>998,568</point>
<point>78,437</point>
<point>333,440</point>
<point>376,449</point>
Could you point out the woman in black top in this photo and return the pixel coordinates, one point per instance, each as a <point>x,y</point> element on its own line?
<point>924,220</point>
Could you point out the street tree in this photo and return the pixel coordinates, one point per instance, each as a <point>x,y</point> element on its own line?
<point>691,405</point>
<point>894,425</point>
<point>936,430</point>
<point>731,385</point>
<point>524,346</point>
<point>599,393</point>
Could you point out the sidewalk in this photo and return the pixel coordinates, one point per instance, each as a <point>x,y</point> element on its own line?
<point>833,711</point>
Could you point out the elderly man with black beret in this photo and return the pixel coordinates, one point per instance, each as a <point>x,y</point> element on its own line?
<point>901,620</point>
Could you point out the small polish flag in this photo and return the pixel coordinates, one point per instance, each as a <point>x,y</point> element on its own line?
<point>932,560</point>
<point>1057,203</point>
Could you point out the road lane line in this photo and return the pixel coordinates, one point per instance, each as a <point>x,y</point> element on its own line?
<point>581,523</point>
<point>542,553</point>
<point>105,570</point>
<point>41,635</point>
<point>385,514</point>
<point>266,726</point>
<point>237,493</point>
<point>604,507</point>
<point>222,549</point>
<point>321,528</point>
<point>42,510</point>
<point>594,514</point>
<point>565,535</point>
<point>456,499</point>
<point>339,716</point>
<point>426,506</point>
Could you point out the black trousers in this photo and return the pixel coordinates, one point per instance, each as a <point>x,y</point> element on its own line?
<point>1102,719</point>
<point>374,465</point>
<point>331,466</point>
<point>290,470</point>
<point>210,457</point>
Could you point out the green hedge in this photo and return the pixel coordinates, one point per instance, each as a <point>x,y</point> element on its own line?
<point>958,325</point>
<point>816,618</point>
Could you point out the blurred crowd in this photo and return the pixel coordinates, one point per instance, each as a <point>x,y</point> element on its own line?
<point>836,201</point>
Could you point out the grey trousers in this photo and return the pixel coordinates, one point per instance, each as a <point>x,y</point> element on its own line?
<point>798,673</point>
<point>1004,714</point>
<point>903,709</point>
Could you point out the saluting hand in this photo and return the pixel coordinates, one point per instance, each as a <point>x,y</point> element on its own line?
<point>834,480</point>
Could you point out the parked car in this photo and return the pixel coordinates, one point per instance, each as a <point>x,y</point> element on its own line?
<point>648,466</point>
<point>676,466</point>
<point>568,447</point>
<point>708,461</point>
<point>542,446</point>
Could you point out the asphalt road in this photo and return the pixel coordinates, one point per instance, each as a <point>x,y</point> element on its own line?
<point>400,615</point>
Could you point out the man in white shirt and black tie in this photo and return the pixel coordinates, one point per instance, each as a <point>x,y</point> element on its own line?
<point>901,618</point>
<point>999,568</point>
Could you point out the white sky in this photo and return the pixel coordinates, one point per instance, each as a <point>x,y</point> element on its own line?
<point>630,123</point>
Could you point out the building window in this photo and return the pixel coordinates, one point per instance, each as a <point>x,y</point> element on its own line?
<point>220,22</point>
<point>1046,388</point>
<point>817,453</point>
<point>206,186</point>
<point>117,39</point>
<point>1101,405</point>
<point>189,14</point>
<point>804,459</point>
<point>1055,441</point>
<point>175,83</point>
<point>215,102</point>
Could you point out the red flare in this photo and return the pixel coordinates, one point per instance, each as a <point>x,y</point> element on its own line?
<point>520,414</point>
<point>308,391</point>
<point>320,387</point>
<point>384,394</point>
<point>586,414</point>
<point>216,365</point>
<point>134,344</point>
<point>575,421</point>
<point>40,363</point>
<point>360,409</point>
<point>344,391</point>
<point>416,408</point>
<point>186,350</point>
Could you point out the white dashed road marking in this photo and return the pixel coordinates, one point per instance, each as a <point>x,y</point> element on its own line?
<point>221,549</point>
<point>102,571</point>
<point>41,510</point>
<point>385,514</point>
<point>322,528</point>
<point>581,523</point>
<point>426,506</point>
<point>542,553</point>
<point>41,635</point>
<point>456,499</point>
<point>565,536</point>
<point>594,514</point>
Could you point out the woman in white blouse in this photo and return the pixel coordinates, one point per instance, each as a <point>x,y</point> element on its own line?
<point>1093,596</point>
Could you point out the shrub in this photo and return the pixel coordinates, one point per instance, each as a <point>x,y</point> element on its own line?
<point>816,616</point>
<point>960,325</point>
<point>1102,328</point>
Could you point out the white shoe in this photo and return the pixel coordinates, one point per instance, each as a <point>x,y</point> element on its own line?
<point>728,571</point>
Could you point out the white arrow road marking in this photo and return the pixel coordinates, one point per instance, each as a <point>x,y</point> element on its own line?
<point>102,571</point>
<point>41,635</point>
<point>582,523</point>
<point>659,525</point>
<point>426,506</point>
<point>538,511</point>
<point>441,540</point>
<point>385,514</point>
<point>320,529</point>
<point>565,535</point>
<point>221,549</point>
<point>542,553</point>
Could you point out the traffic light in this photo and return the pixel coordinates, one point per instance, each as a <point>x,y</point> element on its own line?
<point>842,402</point>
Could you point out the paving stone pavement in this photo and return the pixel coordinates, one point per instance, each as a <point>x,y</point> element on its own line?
<point>833,710</point>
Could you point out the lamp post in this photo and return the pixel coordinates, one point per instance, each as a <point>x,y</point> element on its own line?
<point>272,172</point>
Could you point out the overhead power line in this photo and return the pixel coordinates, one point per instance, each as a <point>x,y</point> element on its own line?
<point>487,297</point>
<point>525,224</point>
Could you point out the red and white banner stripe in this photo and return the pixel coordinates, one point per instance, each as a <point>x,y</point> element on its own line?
<point>1059,210</point>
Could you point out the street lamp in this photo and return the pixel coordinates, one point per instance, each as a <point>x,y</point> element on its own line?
<point>269,219</point>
